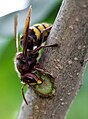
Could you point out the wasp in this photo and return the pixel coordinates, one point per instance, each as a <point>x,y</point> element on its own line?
<point>37,34</point>
<point>26,62</point>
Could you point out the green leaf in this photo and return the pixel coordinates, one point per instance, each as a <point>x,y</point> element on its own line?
<point>10,87</point>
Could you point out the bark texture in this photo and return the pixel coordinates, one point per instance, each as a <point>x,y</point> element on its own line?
<point>65,63</point>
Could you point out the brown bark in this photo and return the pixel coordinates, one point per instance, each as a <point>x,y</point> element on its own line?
<point>70,31</point>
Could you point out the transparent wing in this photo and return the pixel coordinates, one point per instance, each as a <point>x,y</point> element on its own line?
<point>25,35</point>
<point>16,32</point>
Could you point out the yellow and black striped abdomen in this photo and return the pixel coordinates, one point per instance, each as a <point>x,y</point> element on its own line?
<point>37,30</point>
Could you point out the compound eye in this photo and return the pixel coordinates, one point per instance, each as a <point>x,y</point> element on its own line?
<point>19,63</point>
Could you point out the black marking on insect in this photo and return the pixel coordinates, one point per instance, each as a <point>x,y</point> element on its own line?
<point>26,61</point>
<point>37,34</point>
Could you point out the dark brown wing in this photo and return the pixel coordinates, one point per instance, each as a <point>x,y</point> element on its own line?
<point>26,27</point>
<point>16,32</point>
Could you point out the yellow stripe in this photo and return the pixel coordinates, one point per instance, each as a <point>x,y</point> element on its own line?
<point>37,32</point>
<point>41,25</point>
<point>46,25</point>
<point>41,28</point>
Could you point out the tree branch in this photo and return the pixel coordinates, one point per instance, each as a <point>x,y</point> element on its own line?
<point>65,63</point>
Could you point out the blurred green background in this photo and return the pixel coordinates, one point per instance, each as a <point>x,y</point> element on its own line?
<point>10,86</point>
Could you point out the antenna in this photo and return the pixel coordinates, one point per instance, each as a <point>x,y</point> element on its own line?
<point>25,35</point>
<point>16,32</point>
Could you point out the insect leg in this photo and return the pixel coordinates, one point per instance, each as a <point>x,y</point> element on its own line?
<point>40,47</point>
<point>23,93</point>
<point>42,71</point>
<point>31,76</point>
